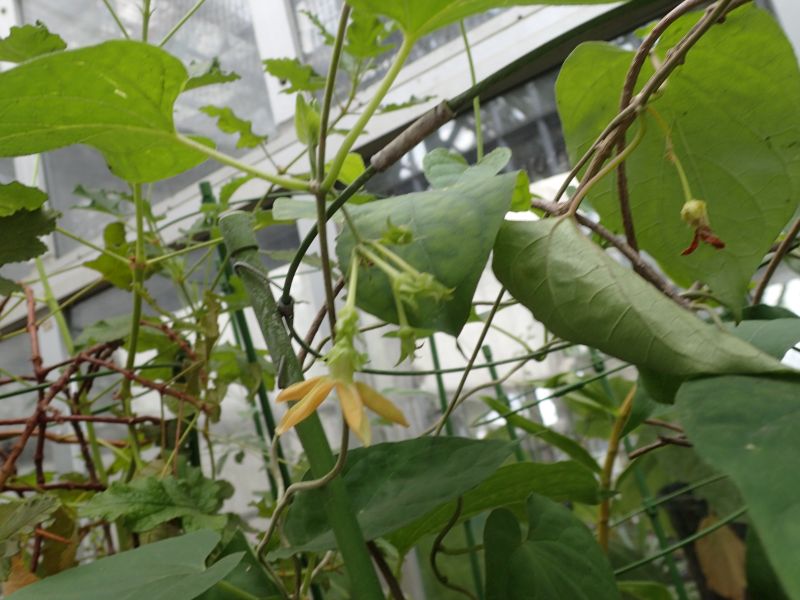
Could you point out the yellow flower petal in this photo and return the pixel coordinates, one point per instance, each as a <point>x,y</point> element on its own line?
<point>296,391</point>
<point>353,411</point>
<point>306,406</point>
<point>380,404</point>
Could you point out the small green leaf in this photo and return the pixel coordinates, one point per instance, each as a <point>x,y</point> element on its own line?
<point>230,188</point>
<point>366,35</point>
<point>440,221</point>
<point>412,101</point>
<point>555,271</point>
<point>115,271</point>
<point>420,17</point>
<point>392,484</point>
<point>509,486</point>
<point>21,233</point>
<point>117,96</point>
<point>299,77</point>
<point>29,41</point>
<point>18,518</point>
<point>443,167</point>
<point>291,209</point>
<point>327,37</point>
<point>8,287</point>
<point>559,558</point>
<point>110,202</point>
<point>172,569</point>
<point>352,167</point>
<point>307,121</point>
<point>228,122</point>
<point>145,503</point>
<point>14,196</point>
<point>208,73</point>
<point>747,428</point>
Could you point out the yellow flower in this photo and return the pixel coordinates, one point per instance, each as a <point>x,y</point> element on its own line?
<point>353,397</point>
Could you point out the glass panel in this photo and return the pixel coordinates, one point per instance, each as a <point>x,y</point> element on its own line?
<point>524,120</point>
<point>220,29</point>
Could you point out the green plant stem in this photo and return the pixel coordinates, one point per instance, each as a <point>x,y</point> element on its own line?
<point>501,396</point>
<point>116,18</point>
<point>89,244</point>
<point>347,193</point>
<point>607,168</point>
<point>136,313</point>
<point>146,14</point>
<point>242,246</point>
<point>468,532</point>
<point>608,468</point>
<point>684,542</point>
<point>189,14</point>
<point>476,101</point>
<point>330,86</point>
<point>185,250</point>
<point>367,112</point>
<point>289,183</point>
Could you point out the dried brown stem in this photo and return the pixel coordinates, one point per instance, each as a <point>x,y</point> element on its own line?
<point>660,443</point>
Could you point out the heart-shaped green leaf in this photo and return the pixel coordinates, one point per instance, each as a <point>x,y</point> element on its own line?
<point>737,137</point>
<point>559,558</point>
<point>117,96</point>
<point>441,221</point>
<point>509,486</point>
<point>173,569</point>
<point>747,428</point>
<point>556,272</point>
<point>392,484</point>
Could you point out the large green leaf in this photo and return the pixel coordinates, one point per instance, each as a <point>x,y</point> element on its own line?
<point>29,41</point>
<point>564,443</point>
<point>440,221</point>
<point>510,486</point>
<point>774,337</point>
<point>21,233</point>
<point>420,17</point>
<point>392,484</point>
<point>738,138</point>
<point>248,576</point>
<point>117,96</point>
<point>14,196</point>
<point>145,503</point>
<point>172,569</point>
<point>559,558</point>
<point>747,428</point>
<point>556,272</point>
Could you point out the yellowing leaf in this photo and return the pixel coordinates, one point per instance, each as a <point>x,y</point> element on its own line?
<point>721,555</point>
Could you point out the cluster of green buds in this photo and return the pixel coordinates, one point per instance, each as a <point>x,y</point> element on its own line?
<point>408,284</point>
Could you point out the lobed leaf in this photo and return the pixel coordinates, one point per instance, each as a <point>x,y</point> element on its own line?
<point>117,97</point>
<point>14,196</point>
<point>29,41</point>
<point>228,122</point>
<point>291,72</point>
